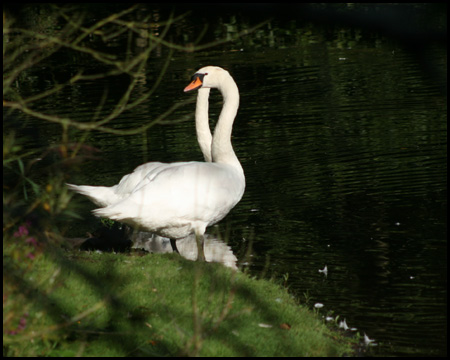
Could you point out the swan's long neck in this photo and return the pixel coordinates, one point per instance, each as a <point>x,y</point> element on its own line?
<point>221,148</point>
<point>204,136</point>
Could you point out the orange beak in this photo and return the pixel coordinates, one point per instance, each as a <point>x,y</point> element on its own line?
<point>195,84</point>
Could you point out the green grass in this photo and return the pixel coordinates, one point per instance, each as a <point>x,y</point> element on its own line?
<point>92,304</point>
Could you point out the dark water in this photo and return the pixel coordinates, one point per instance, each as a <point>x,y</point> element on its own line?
<point>344,151</point>
<point>346,167</point>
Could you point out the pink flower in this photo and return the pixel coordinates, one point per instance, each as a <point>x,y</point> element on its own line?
<point>22,325</point>
<point>23,231</point>
<point>32,241</point>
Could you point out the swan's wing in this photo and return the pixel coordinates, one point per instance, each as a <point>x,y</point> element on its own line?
<point>178,195</point>
<point>129,182</point>
<point>191,188</point>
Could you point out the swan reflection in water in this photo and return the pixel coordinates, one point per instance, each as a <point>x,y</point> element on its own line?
<point>215,250</point>
<point>119,238</point>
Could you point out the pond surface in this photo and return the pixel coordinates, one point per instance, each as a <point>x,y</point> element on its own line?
<point>345,155</point>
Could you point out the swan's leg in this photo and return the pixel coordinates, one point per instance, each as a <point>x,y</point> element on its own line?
<point>200,245</point>
<point>173,243</point>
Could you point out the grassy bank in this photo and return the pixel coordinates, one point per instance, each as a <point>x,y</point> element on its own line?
<point>104,304</point>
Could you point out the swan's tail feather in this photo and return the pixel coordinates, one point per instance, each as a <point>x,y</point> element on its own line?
<point>99,195</point>
<point>106,212</point>
<point>112,213</point>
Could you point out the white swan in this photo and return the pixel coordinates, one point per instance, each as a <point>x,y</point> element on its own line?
<point>176,199</point>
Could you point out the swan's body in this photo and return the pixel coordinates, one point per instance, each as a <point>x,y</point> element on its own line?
<point>176,199</point>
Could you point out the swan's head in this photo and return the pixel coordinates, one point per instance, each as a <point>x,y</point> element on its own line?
<point>208,77</point>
